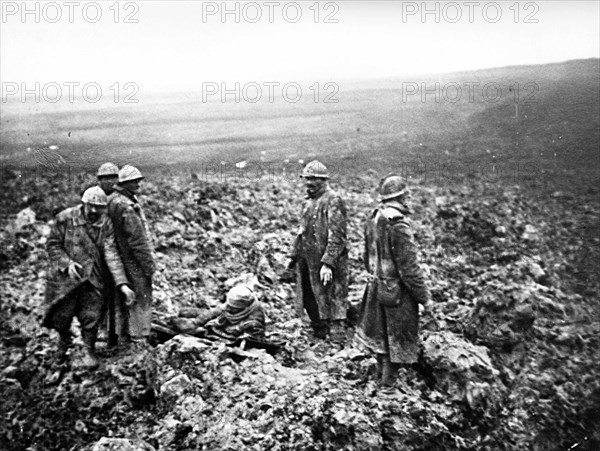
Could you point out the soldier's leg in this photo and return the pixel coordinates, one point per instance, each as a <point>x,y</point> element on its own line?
<point>91,305</point>
<point>60,319</point>
<point>380,366</point>
<point>390,371</point>
<point>111,325</point>
<point>121,323</point>
<point>320,328</point>
<point>140,317</point>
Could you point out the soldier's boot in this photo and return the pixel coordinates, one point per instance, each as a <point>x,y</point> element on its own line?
<point>65,341</point>
<point>140,344</point>
<point>320,329</point>
<point>389,372</point>
<point>124,345</point>
<point>90,359</point>
<point>135,346</point>
<point>379,373</point>
<point>112,343</point>
<point>388,378</point>
<point>337,334</point>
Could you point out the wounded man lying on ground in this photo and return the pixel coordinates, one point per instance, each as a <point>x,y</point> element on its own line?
<point>242,315</point>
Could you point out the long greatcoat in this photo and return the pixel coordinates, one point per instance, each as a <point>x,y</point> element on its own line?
<point>322,239</point>
<point>390,252</point>
<point>93,246</point>
<point>133,243</point>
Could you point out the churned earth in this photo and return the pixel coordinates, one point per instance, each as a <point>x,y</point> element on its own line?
<point>509,350</point>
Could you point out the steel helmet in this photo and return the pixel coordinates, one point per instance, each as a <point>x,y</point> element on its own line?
<point>392,186</point>
<point>315,169</point>
<point>95,196</point>
<point>129,173</point>
<point>240,296</point>
<point>108,169</point>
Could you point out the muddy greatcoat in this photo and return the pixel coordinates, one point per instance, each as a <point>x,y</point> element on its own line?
<point>322,240</point>
<point>73,239</point>
<point>250,322</point>
<point>390,253</point>
<point>133,243</point>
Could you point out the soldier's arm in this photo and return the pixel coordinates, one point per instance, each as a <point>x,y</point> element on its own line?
<point>336,240</point>
<point>253,325</point>
<point>138,243</point>
<point>112,257</point>
<point>59,259</point>
<point>405,255</point>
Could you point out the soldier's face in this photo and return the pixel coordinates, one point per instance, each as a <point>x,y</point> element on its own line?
<point>313,185</point>
<point>133,186</point>
<point>93,212</point>
<point>107,183</point>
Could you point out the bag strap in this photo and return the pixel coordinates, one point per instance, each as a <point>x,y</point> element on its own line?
<point>390,244</point>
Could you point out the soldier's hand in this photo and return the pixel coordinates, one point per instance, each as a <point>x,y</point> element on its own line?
<point>129,295</point>
<point>75,271</point>
<point>326,274</point>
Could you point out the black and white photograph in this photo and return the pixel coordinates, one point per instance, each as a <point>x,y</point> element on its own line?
<point>299,225</point>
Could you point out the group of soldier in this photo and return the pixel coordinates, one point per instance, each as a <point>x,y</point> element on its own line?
<point>101,261</point>
<point>101,258</point>
<point>389,311</point>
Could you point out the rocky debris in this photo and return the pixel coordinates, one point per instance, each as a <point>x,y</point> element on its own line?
<point>24,218</point>
<point>509,345</point>
<point>121,444</point>
<point>530,233</point>
<point>175,386</point>
<point>446,351</point>
<point>463,371</point>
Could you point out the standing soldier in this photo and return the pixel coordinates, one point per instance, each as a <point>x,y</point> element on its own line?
<point>83,255</point>
<point>108,176</point>
<point>320,255</point>
<point>133,243</point>
<point>389,317</point>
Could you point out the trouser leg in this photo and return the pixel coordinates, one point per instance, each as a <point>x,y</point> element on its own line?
<point>65,341</point>
<point>121,321</point>
<point>60,318</point>
<point>139,316</point>
<point>380,358</point>
<point>111,324</point>
<point>89,313</point>
<point>91,305</point>
<point>320,328</point>
<point>390,372</point>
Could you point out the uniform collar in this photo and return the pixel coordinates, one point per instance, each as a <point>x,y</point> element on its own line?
<point>402,208</point>
<point>126,193</point>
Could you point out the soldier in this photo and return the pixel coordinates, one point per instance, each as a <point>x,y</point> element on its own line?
<point>320,255</point>
<point>242,315</point>
<point>83,255</point>
<point>389,316</point>
<point>133,242</point>
<point>108,176</point>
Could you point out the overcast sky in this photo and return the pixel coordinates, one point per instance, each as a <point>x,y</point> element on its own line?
<point>179,45</point>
